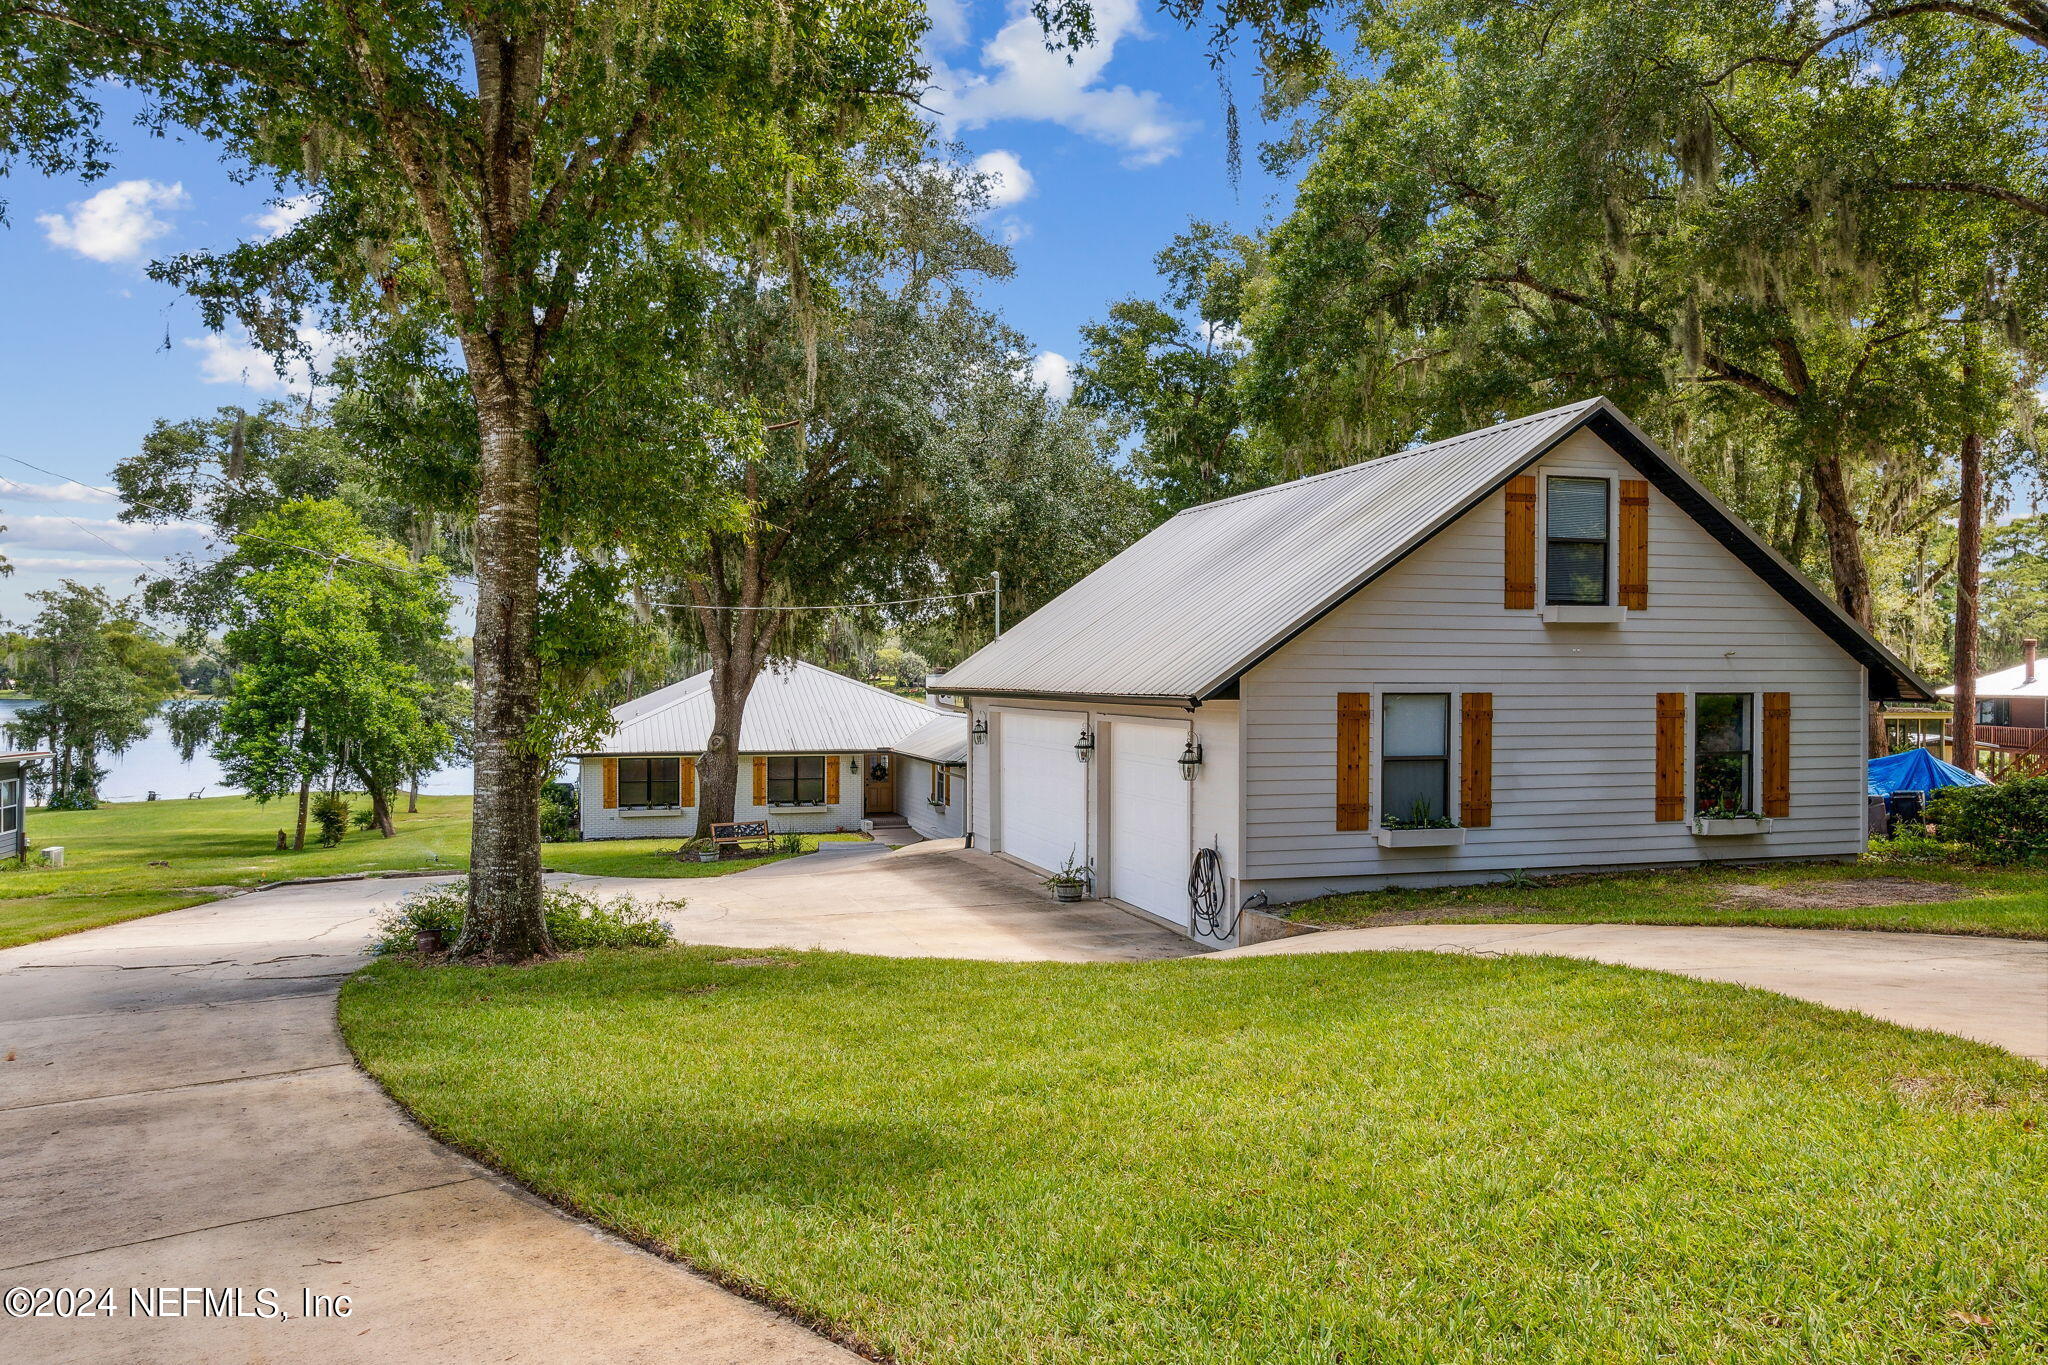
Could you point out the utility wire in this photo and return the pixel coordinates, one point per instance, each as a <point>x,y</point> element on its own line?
<point>831,606</point>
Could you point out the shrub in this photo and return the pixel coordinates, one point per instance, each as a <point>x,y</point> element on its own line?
<point>577,920</point>
<point>790,842</point>
<point>1915,848</point>
<point>330,812</point>
<point>2006,823</point>
<point>364,818</point>
<point>559,814</point>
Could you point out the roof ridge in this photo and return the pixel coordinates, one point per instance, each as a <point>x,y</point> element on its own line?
<point>1376,460</point>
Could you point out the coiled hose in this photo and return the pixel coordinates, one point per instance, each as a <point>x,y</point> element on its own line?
<point>1205,896</point>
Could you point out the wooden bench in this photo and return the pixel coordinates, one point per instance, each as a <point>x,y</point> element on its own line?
<point>743,834</point>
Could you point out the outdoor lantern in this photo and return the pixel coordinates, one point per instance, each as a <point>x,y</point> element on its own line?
<point>1085,745</point>
<point>1190,760</point>
<point>853,763</point>
<point>980,729</point>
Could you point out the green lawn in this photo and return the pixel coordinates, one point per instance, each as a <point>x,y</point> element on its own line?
<point>228,841</point>
<point>2009,902</point>
<point>1373,1158</point>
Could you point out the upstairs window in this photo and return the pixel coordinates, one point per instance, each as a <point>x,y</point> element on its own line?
<point>1723,753</point>
<point>1994,711</point>
<point>649,782</point>
<point>1415,756</point>
<point>797,781</point>
<point>1577,533</point>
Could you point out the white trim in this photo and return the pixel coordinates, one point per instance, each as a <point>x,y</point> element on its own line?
<point>1756,743</point>
<point>1454,747</point>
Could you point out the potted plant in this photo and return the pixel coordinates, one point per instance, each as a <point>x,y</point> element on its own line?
<point>1072,881</point>
<point>1726,821</point>
<point>1419,829</point>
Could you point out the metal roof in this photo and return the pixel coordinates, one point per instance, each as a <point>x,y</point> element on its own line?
<point>942,739</point>
<point>795,707</point>
<point>2006,682</point>
<point>1180,615</point>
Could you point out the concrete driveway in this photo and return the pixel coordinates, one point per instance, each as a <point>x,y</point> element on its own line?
<point>1991,989</point>
<point>925,900</point>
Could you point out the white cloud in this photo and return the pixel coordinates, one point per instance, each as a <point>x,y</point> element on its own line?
<point>99,536</point>
<point>14,490</point>
<point>1021,79</point>
<point>1006,179</point>
<point>73,564</point>
<point>285,214</point>
<point>235,359</point>
<point>1224,337</point>
<point>118,223</point>
<point>1051,371</point>
<point>949,22</point>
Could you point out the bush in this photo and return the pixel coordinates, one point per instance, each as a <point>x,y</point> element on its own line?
<point>2006,823</point>
<point>790,842</point>
<point>364,818</point>
<point>559,815</point>
<point>330,812</point>
<point>1915,848</point>
<point>576,919</point>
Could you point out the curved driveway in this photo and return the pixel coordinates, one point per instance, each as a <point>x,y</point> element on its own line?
<point>178,1112</point>
<point>1994,990</point>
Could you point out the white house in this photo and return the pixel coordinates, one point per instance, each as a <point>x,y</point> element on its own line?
<point>1540,647</point>
<point>931,782</point>
<point>816,754</point>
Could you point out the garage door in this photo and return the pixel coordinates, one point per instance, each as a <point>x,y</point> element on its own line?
<point>1041,794</point>
<point>1148,819</point>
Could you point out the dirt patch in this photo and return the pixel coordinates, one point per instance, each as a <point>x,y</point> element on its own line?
<point>755,962</point>
<point>1839,893</point>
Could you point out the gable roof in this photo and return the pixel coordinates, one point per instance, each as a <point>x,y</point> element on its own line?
<point>942,739</point>
<point>1183,613</point>
<point>2009,682</point>
<point>795,708</point>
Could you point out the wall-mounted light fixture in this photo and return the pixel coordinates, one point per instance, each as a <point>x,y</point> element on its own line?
<point>1085,745</point>
<point>853,763</point>
<point>980,729</point>
<point>1191,760</point>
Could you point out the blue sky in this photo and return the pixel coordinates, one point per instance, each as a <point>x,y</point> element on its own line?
<point>1101,161</point>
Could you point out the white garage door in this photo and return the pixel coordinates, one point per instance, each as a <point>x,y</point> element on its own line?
<point>1148,819</point>
<point>1041,795</point>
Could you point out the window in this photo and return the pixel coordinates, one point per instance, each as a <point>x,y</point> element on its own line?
<point>1994,711</point>
<point>1575,522</point>
<point>1723,752</point>
<point>942,784</point>
<point>645,782</point>
<point>10,805</point>
<point>797,781</point>
<point>1415,756</point>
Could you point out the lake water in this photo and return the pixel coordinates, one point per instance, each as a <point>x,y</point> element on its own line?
<point>152,764</point>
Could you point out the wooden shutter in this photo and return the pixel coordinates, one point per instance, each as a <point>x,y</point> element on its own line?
<point>1671,755</point>
<point>831,779</point>
<point>611,784</point>
<point>1633,576</point>
<point>1475,761</point>
<point>1354,760</point>
<point>686,781</point>
<point>1519,590</point>
<point>1777,757</point>
<point>760,780</point>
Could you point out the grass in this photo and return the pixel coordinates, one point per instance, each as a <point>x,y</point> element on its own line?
<point>1388,1158</point>
<point>229,841</point>
<point>2012,903</point>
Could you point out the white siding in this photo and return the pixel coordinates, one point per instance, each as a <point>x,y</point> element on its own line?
<point>1216,790</point>
<point>1574,709</point>
<point>914,800</point>
<point>599,823</point>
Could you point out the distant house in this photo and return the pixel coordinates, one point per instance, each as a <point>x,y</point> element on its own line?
<point>14,800</point>
<point>817,752</point>
<point>2012,715</point>
<point>1540,647</point>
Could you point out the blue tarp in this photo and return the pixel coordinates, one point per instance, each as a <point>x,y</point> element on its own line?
<point>1916,770</point>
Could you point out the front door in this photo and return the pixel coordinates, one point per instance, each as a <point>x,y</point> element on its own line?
<point>878,785</point>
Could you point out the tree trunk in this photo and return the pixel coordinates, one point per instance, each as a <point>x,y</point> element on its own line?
<point>299,839</point>
<point>412,796</point>
<point>1969,557</point>
<point>739,643</point>
<point>380,809</point>
<point>1843,533</point>
<point>505,923</point>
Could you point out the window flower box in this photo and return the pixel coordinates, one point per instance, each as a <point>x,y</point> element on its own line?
<point>1729,826</point>
<point>1419,838</point>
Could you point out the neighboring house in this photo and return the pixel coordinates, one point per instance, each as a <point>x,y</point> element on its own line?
<point>815,755</point>
<point>1545,639</point>
<point>2012,715</point>
<point>14,800</point>
<point>931,784</point>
